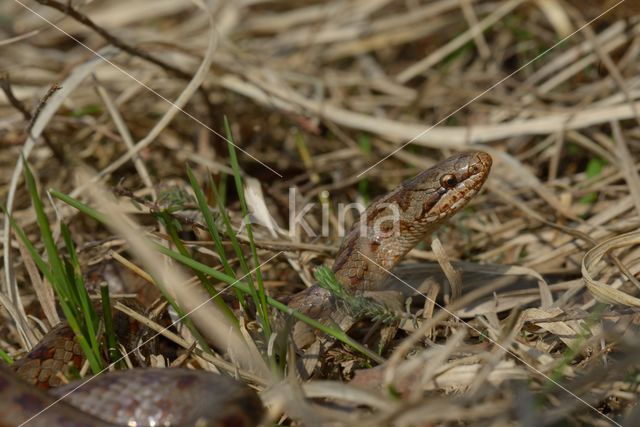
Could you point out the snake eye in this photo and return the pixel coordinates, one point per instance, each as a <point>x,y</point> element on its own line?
<point>448,181</point>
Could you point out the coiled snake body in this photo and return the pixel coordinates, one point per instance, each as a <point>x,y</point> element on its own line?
<point>386,231</point>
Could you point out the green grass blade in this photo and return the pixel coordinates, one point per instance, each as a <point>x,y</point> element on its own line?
<point>79,293</point>
<point>237,248</point>
<point>263,308</point>
<point>209,220</point>
<point>244,287</point>
<point>98,216</point>
<point>334,332</point>
<point>63,279</point>
<point>53,257</point>
<point>213,230</point>
<point>175,239</point>
<point>109,332</point>
<point>5,356</point>
<point>33,252</point>
<point>364,141</point>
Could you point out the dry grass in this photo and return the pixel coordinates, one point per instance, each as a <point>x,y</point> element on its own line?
<point>325,96</point>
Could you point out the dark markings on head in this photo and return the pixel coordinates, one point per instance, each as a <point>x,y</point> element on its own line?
<point>401,197</point>
<point>428,203</point>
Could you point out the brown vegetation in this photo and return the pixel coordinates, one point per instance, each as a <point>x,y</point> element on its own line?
<point>343,100</point>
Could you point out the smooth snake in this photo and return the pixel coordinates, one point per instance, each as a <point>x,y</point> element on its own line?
<point>390,227</point>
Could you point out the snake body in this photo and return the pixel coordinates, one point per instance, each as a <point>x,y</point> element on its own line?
<point>139,397</point>
<point>390,227</point>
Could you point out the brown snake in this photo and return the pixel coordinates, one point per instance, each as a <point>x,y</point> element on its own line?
<point>386,231</point>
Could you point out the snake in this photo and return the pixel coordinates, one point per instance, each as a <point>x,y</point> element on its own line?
<point>385,232</point>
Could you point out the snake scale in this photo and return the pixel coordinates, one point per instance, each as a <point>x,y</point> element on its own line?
<point>390,227</point>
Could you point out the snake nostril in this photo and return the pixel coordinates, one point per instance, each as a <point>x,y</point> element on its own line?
<point>485,159</point>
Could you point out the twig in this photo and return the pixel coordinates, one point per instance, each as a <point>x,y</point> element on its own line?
<point>5,85</point>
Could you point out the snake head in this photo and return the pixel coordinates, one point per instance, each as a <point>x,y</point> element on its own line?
<point>395,223</point>
<point>452,183</point>
<point>439,192</point>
